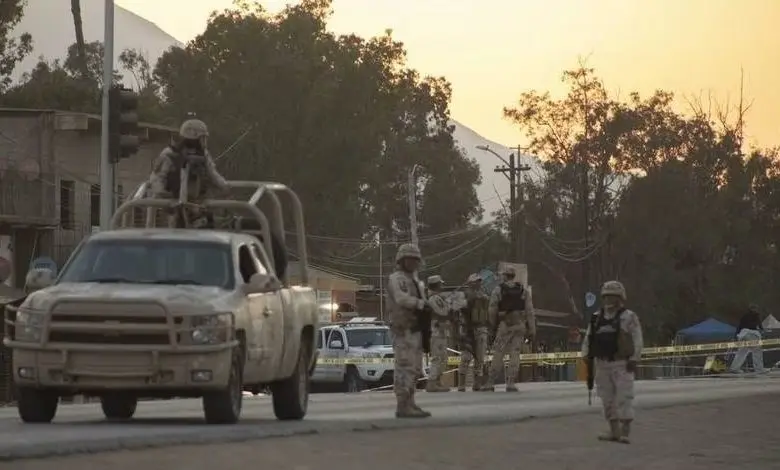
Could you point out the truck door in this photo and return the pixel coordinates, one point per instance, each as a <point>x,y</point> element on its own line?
<point>337,346</point>
<point>273,312</point>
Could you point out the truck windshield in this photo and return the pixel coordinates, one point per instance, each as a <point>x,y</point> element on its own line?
<point>173,262</point>
<point>366,337</point>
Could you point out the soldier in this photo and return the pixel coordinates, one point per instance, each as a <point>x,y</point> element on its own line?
<point>408,309</point>
<point>511,309</point>
<point>440,326</point>
<point>614,342</point>
<point>473,333</point>
<point>165,180</point>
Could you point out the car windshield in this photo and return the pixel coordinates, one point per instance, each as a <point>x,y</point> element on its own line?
<point>366,337</point>
<point>174,262</point>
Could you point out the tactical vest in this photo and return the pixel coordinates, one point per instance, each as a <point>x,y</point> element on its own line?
<point>173,178</point>
<point>512,299</point>
<point>607,340</point>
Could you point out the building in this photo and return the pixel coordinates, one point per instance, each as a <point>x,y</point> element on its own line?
<point>335,293</point>
<point>49,183</point>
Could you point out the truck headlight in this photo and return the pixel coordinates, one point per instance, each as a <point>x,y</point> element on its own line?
<point>28,325</point>
<point>210,329</point>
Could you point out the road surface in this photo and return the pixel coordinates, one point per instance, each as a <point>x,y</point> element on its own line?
<point>80,428</point>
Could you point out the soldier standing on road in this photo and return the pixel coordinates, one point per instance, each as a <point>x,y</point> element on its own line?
<point>406,304</point>
<point>440,327</point>
<point>473,331</point>
<point>614,342</point>
<point>511,308</point>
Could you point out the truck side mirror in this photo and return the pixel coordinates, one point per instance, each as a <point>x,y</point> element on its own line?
<point>261,283</point>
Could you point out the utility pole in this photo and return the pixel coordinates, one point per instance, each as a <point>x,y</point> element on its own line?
<point>106,166</point>
<point>516,204</point>
<point>381,279</point>
<point>412,195</point>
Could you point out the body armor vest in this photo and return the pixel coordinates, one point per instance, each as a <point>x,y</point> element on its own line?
<point>478,310</point>
<point>607,340</point>
<point>512,299</point>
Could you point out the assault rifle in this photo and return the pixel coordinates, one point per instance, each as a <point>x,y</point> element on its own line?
<point>423,321</point>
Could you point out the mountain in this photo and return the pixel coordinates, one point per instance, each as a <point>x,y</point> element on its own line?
<point>51,25</point>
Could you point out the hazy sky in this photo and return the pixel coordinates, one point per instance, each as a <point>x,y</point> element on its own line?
<point>492,50</point>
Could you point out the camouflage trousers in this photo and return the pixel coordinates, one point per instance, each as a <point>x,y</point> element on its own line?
<point>407,347</point>
<point>509,341</point>
<point>439,341</point>
<point>478,356</point>
<point>615,388</point>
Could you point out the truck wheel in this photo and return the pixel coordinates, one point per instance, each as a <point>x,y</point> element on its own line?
<point>36,406</point>
<point>224,406</point>
<point>118,406</point>
<point>291,396</point>
<point>352,382</point>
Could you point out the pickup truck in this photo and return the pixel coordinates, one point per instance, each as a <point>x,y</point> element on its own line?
<point>161,313</point>
<point>359,339</point>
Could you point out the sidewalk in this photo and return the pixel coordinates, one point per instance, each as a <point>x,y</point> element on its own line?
<point>712,436</point>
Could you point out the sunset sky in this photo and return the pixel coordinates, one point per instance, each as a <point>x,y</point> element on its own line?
<point>492,50</point>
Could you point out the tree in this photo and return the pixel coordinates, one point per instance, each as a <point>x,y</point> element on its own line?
<point>339,118</point>
<point>12,50</point>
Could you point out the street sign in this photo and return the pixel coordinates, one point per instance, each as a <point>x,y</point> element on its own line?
<point>590,299</point>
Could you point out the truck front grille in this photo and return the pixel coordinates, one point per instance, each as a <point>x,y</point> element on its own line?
<point>122,318</point>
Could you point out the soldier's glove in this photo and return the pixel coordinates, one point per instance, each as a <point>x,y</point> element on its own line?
<point>631,366</point>
<point>427,309</point>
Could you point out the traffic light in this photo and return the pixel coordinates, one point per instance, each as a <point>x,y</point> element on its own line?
<point>122,123</point>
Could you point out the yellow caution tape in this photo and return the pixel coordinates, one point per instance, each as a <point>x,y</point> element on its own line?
<point>647,353</point>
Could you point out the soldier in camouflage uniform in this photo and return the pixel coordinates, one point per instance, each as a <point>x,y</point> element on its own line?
<point>473,333</point>
<point>511,308</point>
<point>165,180</point>
<point>440,327</point>
<point>406,304</point>
<point>614,342</point>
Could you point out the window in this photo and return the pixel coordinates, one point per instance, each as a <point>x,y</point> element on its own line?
<point>246,264</point>
<point>319,339</point>
<point>94,205</point>
<point>174,262</point>
<point>366,337</point>
<point>260,258</point>
<point>336,336</point>
<point>67,204</point>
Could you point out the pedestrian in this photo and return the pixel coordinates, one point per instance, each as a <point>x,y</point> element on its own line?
<point>749,329</point>
<point>614,342</point>
<point>511,309</point>
<point>408,308</point>
<point>473,333</point>
<point>440,327</point>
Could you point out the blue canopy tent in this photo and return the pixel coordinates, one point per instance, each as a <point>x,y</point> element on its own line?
<point>708,330</point>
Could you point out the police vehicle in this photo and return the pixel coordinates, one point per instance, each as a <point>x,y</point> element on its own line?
<point>359,338</point>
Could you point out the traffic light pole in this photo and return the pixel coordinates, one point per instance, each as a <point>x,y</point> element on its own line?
<point>106,165</point>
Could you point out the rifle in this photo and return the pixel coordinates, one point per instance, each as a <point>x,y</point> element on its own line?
<point>589,360</point>
<point>423,321</point>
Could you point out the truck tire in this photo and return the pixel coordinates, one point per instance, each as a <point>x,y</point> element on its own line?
<point>291,396</point>
<point>118,406</point>
<point>35,405</point>
<point>224,406</point>
<point>352,381</point>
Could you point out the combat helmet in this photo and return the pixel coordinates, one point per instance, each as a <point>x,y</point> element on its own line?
<point>614,288</point>
<point>193,129</point>
<point>408,250</point>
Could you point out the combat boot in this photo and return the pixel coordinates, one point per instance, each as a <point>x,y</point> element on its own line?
<point>461,382</point>
<point>486,386</point>
<point>407,409</point>
<point>436,386</point>
<point>511,388</point>
<point>625,431</point>
<point>614,432</point>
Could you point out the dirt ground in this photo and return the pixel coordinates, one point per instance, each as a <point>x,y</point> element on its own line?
<point>713,436</point>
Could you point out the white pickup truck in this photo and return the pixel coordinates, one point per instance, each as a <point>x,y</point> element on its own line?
<point>360,339</point>
<point>164,312</point>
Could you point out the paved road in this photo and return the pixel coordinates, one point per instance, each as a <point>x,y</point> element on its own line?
<point>79,428</point>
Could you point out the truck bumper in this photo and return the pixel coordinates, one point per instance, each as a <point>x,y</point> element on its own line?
<point>80,371</point>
